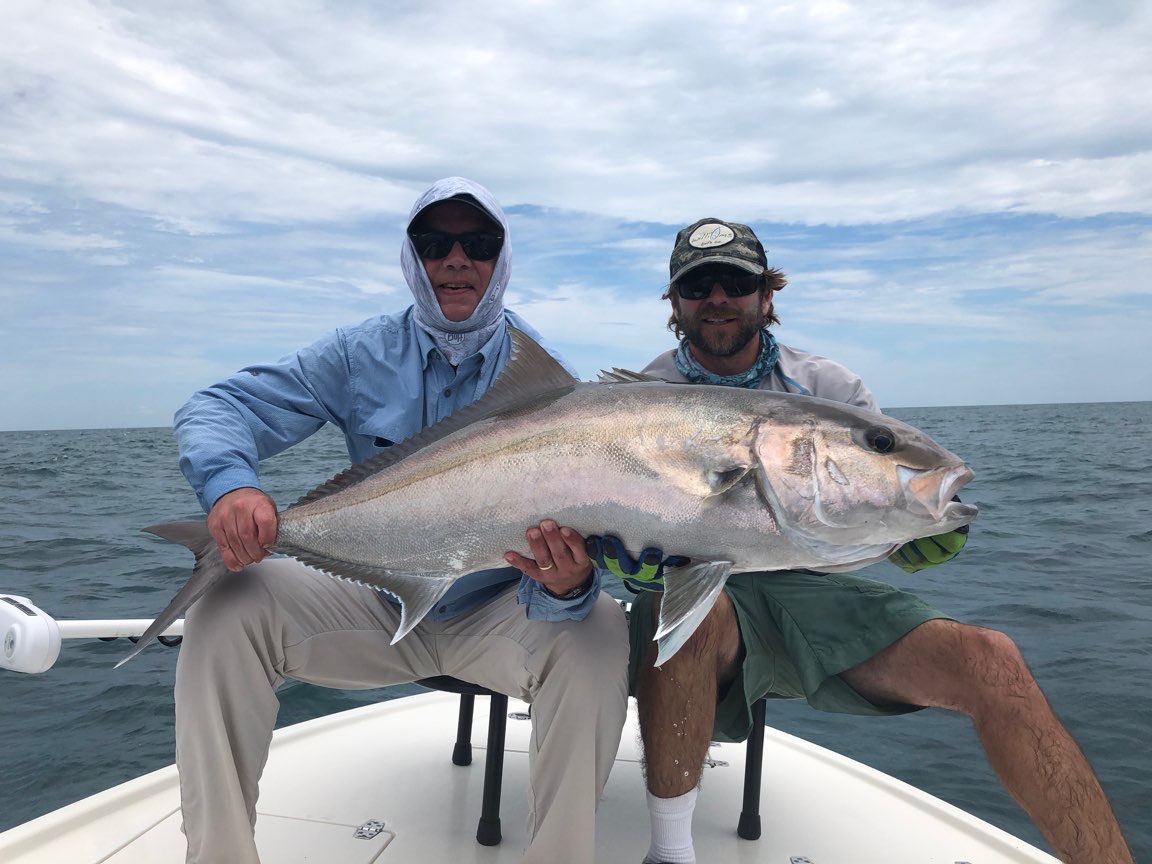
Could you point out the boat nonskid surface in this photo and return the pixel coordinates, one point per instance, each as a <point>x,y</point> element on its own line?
<point>377,783</point>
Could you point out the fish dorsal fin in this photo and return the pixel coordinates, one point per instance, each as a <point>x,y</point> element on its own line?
<point>617,375</point>
<point>531,374</point>
<point>689,594</point>
<point>417,592</point>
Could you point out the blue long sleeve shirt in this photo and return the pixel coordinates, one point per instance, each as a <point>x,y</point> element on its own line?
<point>379,382</point>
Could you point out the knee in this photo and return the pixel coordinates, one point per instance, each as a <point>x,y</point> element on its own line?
<point>717,639</point>
<point>995,663</point>
<point>604,633</point>
<point>239,624</point>
<point>595,648</point>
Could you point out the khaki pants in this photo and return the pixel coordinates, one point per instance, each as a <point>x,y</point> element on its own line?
<point>279,619</point>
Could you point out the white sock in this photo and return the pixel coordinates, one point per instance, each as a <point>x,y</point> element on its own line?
<point>671,829</point>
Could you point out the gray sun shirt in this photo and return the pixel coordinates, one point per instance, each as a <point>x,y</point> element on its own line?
<point>796,371</point>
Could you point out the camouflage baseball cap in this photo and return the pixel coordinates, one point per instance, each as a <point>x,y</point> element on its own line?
<point>712,241</point>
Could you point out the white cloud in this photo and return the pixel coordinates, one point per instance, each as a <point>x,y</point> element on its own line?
<point>979,174</point>
<point>799,114</point>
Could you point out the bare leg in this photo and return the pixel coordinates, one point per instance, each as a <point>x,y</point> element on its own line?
<point>677,701</point>
<point>980,673</point>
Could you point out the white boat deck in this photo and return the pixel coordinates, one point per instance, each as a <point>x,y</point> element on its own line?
<point>391,762</point>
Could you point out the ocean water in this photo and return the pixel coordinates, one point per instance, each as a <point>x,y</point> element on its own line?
<point>1060,558</point>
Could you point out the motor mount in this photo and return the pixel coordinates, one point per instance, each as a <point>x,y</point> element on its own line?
<point>29,636</point>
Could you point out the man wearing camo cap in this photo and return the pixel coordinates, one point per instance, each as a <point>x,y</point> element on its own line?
<point>844,643</point>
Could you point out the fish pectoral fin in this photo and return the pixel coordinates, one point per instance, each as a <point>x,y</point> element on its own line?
<point>721,480</point>
<point>689,595</point>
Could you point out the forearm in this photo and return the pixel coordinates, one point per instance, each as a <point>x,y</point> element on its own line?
<point>218,452</point>
<point>225,430</point>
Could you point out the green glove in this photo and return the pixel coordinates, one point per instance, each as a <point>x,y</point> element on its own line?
<point>645,573</point>
<point>929,551</point>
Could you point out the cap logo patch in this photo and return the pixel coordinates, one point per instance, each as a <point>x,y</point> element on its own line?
<point>711,235</point>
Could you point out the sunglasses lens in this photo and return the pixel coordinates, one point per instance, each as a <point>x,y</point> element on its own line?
<point>477,245</point>
<point>432,244</point>
<point>734,285</point>
<point>481,245</point>
<point>697,289</point>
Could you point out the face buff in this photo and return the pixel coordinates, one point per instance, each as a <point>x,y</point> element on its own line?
<point>458,340</point>
<point>691,369</point>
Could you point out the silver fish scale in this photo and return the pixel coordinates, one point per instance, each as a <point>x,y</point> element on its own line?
<point>733,479</point>
<point>637,460</point>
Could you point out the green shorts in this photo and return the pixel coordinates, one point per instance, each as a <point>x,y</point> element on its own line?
<point>799,632</point>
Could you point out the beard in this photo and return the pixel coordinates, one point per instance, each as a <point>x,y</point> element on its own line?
<point>710,340</point>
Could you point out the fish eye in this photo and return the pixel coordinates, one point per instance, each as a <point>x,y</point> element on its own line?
<point>880,438</point>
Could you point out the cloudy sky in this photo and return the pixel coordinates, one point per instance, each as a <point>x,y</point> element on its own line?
<point>960,193</point>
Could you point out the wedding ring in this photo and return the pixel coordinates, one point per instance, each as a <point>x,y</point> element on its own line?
<point>549,567</point>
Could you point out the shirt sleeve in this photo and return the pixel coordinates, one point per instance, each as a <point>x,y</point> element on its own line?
<point>225,430</point>
<point>542,606</point>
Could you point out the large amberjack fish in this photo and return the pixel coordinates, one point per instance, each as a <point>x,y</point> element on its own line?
<point>733,479</point>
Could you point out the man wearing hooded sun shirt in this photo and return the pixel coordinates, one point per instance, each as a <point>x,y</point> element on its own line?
<point>554,641</point>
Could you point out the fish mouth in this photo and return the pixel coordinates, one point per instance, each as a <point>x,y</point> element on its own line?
<point>932,491</point>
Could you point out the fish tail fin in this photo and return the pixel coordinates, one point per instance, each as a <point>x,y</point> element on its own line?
<point>191,533</point>
<point>208,570</point>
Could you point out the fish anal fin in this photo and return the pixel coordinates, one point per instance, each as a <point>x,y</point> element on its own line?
<point>414,605</point>
<point>418,593</point>
<point>690,592</point>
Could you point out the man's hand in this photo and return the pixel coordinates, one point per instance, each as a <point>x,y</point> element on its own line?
<point>558,562</point>
<point>243,523</point>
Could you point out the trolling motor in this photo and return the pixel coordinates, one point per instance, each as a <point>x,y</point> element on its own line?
<point>30,638</point>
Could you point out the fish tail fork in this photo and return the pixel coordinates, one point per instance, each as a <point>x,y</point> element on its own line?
<point>208,570</point>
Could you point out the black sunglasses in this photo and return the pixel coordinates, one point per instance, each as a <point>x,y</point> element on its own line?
<point>698,286</point>
<point>477,245</point>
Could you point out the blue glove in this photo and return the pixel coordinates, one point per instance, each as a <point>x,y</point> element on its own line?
<point>929,551</point>
<point>645,573</point>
